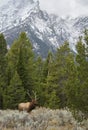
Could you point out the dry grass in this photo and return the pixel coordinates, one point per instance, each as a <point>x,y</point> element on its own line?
<point>40,119</point>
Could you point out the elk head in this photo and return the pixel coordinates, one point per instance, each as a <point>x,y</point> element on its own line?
<point>33,102</point>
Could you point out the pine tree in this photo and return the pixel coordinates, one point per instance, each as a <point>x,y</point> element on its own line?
<point>39,84</point>
<point>3,65</point>
<point>72,82</point>
<point>50,89</point>
<point>14,93</point>
<point>62,56</point>
<point>77,83</point>
<point>21,59</point>
<point>58,75</point>
<point>47,64</point>
<point>42,71</point>
<point>82,69</point>
<point>39,70</point>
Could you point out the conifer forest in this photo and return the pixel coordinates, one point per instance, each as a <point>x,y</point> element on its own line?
<point>60,80</point>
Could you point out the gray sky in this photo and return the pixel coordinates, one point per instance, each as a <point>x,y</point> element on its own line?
<point>63,7</point>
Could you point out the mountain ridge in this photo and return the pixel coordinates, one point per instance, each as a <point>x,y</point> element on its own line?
<point>46,31</point>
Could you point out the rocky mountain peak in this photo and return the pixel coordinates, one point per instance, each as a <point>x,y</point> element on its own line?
<point>46,31</point>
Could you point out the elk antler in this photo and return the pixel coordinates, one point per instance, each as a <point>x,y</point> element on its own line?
<point>29,94</point>
<point>35,95</point>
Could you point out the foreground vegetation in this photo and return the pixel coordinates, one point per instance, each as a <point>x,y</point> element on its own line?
<point>40,119</point>
<point>61,80</point>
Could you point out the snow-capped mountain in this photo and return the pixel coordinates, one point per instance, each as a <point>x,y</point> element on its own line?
<point>46,31</point>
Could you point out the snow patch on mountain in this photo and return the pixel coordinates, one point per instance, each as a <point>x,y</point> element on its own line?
<point>46,31</point>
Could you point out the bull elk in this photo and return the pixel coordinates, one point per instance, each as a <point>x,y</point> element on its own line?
<point>28,106</point>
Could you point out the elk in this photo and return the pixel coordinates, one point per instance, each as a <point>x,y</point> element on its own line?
<point>28,106</point>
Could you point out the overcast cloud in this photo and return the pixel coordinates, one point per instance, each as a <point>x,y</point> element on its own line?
<point>83,2</point>
<point>65,7</point>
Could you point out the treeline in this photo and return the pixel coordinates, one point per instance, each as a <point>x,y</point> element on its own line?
<point>61,80</point>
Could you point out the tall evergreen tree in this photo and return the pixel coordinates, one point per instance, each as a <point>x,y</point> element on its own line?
<point>3,64</point>
<point>59,74</point>
<point>39,85</point>
<point>14,93</point>
<point>21,59</point>
<point>77,85</point>
<point>62,56</point>
<point>82,69</point>
<point>50,88</point>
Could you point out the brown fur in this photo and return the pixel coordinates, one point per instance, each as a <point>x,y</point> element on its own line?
<point>23,106</point>
<point>32,105</point>
<point>28,106</point>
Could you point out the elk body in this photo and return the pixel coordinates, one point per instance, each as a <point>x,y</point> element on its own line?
<point>28,106</point>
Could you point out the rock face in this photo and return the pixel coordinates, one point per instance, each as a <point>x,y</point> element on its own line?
<point>46,32</point>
